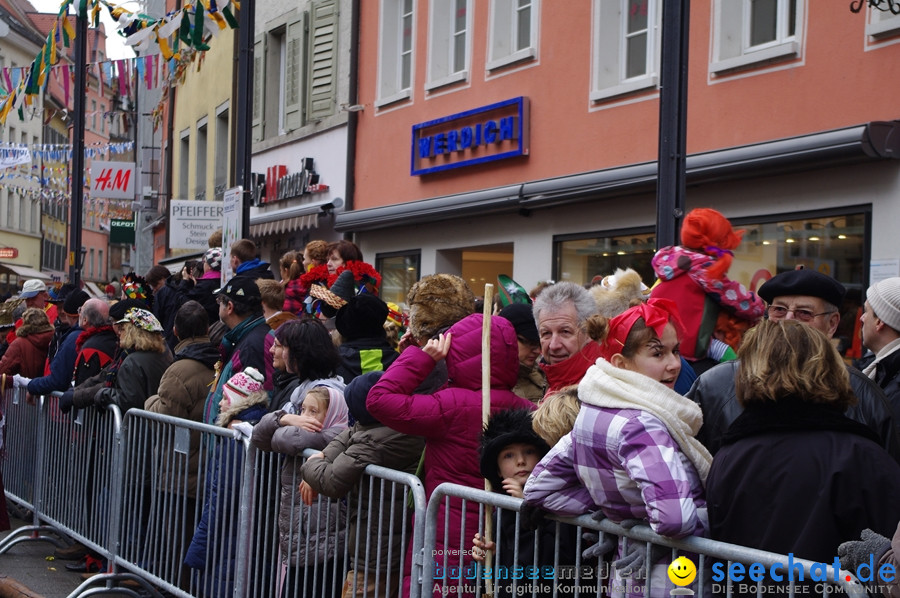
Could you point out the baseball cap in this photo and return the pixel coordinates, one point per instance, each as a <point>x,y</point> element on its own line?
<point>240,288</point>
<point>32,288</point>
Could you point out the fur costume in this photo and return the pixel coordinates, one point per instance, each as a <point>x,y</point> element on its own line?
<point>437,302</point>
<point>504,428</point>
<point>618,292</point>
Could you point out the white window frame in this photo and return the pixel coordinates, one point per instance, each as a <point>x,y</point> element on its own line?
<point>391,52</point>
<point>442,37</point>
<point>881,22</point>
<point>611,34</point>
<point>504,33</point>
<point>786,45</point>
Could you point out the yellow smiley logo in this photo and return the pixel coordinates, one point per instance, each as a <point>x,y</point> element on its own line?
<point>682,571</point>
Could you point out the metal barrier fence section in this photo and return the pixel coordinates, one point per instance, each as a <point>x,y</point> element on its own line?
<point>548,561</point>
<point>22,435</point>
<point>202,513</point>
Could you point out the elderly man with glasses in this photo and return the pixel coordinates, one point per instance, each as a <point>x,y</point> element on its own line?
<point>813,299</point>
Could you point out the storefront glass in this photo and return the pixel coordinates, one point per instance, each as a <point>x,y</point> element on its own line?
<point>399,272</point>
<point>835,244</point>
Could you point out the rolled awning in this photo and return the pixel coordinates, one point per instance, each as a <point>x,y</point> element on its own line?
<point>23,271</point>
<point>296,218</point>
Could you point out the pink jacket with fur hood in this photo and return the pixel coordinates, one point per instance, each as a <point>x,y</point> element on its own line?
<point>450,419</point>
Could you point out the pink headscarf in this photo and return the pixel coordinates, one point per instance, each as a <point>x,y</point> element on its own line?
<point>656,313</point>
<point>337,410</point>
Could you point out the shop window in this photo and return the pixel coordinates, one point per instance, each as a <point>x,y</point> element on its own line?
<point>626,46</point>
<point>835,245</point>
<point>513,31</point>
<point>448,56</point>
<point>399,272</point>
<point>749,32</point>
<point>882,22</point>
<point>395,50</point>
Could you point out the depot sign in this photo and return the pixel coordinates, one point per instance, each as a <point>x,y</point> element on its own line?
<point>192,222</point>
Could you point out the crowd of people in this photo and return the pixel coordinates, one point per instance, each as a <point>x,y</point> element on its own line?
<point>684,406</point>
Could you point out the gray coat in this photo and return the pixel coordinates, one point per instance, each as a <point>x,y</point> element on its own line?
<point>307,535</point>
<point>339,473</point>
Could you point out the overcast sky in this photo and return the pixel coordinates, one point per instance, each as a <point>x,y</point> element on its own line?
<point>115,46</point>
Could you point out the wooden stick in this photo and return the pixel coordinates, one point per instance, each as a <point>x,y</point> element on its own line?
<point>486,415</point>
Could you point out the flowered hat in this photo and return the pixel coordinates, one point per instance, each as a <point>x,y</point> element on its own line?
<point>213,257</point>
<point>143,319</point>
<point>243,384</point>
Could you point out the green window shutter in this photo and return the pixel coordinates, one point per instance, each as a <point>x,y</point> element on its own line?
<point>259,88</point>
<point>323,59</point>
<point>293,74</point>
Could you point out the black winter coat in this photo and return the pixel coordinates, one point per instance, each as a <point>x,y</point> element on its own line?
<point>794,477</point>
<point>714,392</point>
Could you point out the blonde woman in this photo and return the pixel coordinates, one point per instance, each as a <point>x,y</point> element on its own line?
<point>142,360</point>
<point>821,477</point>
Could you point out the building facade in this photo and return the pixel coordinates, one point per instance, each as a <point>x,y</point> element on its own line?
<point>521,137</point>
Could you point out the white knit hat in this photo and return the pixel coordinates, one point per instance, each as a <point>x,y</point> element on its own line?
<point>242,384</point>
<point>884,297</point>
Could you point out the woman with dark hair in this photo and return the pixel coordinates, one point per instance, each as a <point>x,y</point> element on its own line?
<point>341,252</point>
<point>306,350</point>
<point>823,477</point>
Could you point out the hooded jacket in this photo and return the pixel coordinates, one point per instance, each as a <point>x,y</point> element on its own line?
<point>213,549</point>
<point>450,419</point>
<point>60,375</point>
<point>27,353</point>
<point>96,347</point>
<point>182,393</point>
<point>294,518</point>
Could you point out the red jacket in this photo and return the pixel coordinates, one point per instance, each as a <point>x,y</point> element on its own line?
<point>26,355</point>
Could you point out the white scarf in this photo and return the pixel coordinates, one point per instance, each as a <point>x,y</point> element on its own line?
<point>607,386</point>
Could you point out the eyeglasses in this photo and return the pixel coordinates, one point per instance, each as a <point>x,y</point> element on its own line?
<point>779,312</point>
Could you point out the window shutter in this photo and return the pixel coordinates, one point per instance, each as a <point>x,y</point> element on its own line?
<point>323,59</point>
<point>259,88</point>
<point>293,74</point>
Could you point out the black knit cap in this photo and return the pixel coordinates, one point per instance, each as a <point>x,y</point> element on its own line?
<point>521,316</point>
<point>74,301</point>
<point>803,282</point>
<point>362,317</point>
<point>355,394</point>
<point>504,428</point>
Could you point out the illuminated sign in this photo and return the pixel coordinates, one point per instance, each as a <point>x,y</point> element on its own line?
<point>278,185</point>
<point>495,132</point>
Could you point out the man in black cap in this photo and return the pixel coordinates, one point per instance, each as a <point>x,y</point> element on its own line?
<point>247,342</point>
<point>813,299</point>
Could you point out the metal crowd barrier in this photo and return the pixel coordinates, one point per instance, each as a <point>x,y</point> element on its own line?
<point>555,566</point>
<point>67,465</point>
<point>23,441</point>
<point>176,475</point>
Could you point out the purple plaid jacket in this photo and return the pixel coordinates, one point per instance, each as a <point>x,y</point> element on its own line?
<point>625,462</point>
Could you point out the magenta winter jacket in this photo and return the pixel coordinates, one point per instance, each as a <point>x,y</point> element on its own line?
<point>450,419</point>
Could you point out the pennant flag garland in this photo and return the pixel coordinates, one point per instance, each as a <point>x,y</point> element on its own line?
<point>171,35</point>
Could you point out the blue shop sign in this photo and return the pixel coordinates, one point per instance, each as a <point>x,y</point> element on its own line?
<point>495,132</point>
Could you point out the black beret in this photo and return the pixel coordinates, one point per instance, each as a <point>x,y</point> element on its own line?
<point>118,309</point>
<point>521,316</point>
<point>803,282</point>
